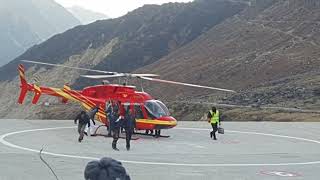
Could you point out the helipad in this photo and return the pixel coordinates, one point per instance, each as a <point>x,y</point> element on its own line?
<point>279,150</point>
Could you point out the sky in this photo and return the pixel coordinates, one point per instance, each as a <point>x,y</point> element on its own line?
<point>113,8</point>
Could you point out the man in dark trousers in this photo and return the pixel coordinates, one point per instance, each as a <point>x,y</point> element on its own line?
<point>129,125</point>
<point>83,121</point>
<point>116,125</point>
<point>109,110</point>
<point>214,119</point>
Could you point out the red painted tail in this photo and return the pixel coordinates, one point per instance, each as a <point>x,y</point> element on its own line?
<point>23,85</point>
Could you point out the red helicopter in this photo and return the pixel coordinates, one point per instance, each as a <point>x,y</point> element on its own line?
<point>150,114</point>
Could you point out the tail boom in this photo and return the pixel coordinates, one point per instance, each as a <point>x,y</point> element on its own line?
<point>38,91</point>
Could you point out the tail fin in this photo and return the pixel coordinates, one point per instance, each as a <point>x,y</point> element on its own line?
<point>23,85</point>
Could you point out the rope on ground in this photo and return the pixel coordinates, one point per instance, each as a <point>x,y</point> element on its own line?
<point>40,155</point>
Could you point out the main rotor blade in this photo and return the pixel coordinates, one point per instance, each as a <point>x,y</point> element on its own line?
<point>144,75</point>
<point>186,84</point>
<point>78,68</point>
<point>118,75</point>
<point>102,76</point>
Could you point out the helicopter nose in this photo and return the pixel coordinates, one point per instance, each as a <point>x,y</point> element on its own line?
<point>168,122</point>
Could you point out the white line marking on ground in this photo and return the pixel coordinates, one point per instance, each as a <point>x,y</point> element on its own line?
<point>256,133</point>
<point>190,174</point>
<point>280,173</point>
<point>3,141</point>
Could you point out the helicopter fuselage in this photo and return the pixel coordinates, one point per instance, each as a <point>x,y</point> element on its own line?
<point>150,113</point>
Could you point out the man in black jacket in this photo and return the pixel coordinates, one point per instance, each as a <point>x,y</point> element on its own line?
<point>91,126</point>
<point>129,125</point>
<point>109,116</point>
<point>83,121</point>
<point>116,118</point>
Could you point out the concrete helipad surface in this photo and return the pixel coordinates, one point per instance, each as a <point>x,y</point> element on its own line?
<point>259,150</point>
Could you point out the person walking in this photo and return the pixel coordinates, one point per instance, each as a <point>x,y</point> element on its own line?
<point>83,119</point>
<point>116,125</point>
<point>129,125</point>
<point>109,116</point>
<point>214,119</point>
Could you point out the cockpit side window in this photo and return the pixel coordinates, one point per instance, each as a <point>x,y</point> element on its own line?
<point>155,110</point>
<point>163,107</point>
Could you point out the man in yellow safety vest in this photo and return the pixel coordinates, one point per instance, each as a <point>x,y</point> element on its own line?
<point>214,119</point>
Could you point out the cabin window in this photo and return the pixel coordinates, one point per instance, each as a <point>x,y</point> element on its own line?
<point>156,109</point>
<point>164,107</point>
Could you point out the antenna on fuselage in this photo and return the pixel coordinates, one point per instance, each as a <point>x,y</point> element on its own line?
<point>141,84</point>
<point>126,81</point>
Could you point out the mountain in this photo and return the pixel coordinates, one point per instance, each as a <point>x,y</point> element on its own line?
<point>265,45</point>
<point>269,53</point>
<point>143,36</point>
<point>266,50</point>
<point>124,44</point>
<point>24,23</point>
<point>86,16</point>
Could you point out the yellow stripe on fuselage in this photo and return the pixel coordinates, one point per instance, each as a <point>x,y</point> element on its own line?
<point>157,122</point>
<point>78,96</point>
<point>86,106</point>
<point>63,94</point>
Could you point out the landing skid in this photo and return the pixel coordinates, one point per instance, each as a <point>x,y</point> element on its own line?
<point>123,137</point>
<point>104,135</point>
<point>120,137</point>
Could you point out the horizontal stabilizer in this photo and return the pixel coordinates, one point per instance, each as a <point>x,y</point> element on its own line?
<point>37,94</point>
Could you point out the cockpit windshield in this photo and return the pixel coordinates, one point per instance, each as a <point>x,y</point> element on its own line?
<point>156,108</point>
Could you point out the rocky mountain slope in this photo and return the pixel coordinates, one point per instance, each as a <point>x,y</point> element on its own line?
<point>24,23</point>
<point>272,52</point>
<point>266,50</point>
<point>86,16</point>
<point>123,44</point>
<point>145,35</point>
<point>269,53</point>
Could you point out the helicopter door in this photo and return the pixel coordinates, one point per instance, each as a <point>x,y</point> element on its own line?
<point>144,112</point>
<point>138,111</point>
<point>126,105</point>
